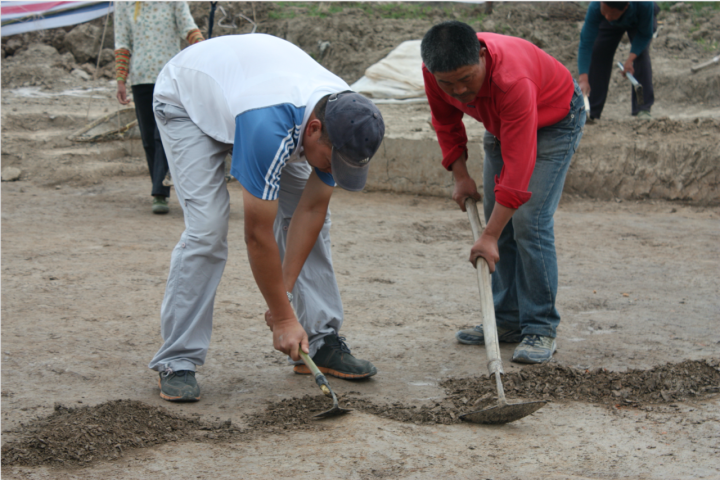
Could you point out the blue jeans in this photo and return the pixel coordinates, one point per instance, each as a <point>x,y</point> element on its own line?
<point>525,280</point>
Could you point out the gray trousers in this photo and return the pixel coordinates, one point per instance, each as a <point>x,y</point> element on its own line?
<point>197,166</point>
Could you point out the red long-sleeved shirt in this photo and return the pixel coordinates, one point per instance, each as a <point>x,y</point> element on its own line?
<point>524,89</point>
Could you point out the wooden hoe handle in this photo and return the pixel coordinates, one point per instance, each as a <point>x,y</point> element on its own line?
<point>492,347</point>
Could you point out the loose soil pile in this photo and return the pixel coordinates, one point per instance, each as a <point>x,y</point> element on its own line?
<point>79,436</point>
<point>664,383</point>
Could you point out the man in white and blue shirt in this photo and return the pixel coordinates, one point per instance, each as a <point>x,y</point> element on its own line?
<point>295,131</point>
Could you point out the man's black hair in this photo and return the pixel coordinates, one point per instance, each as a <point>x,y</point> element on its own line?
<point>319,112</point>
<point>620,6</point>
<point>450,45</point>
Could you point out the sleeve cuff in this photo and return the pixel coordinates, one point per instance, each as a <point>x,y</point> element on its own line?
<point>510,197</point>
<point>194,36</point>
<point>326,178</point>
<point>122,62</point>
<point>453,155</point>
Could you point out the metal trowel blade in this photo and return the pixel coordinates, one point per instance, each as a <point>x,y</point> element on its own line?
<point>639,95</point>
<point>500,414</point>
<point>333,412</point>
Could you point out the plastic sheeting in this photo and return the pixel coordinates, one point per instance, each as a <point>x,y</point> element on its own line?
<point>396,78</point>
<point>28,16</point>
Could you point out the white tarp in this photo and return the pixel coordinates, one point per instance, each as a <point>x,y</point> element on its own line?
<point>27,16</point>
<point>395,78</point>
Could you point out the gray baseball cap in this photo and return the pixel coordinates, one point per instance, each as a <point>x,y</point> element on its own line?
<point>356,129</point>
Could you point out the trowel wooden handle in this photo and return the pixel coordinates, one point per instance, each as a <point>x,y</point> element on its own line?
<point>476,222</point>
<point>319,377</point>
<point>310,364</point>
<point>492,346</point>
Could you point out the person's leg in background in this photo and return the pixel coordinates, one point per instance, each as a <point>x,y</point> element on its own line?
<point>601,65</point>
<point>643,74</point>
<point>154,153</point>
<point>160,169</point>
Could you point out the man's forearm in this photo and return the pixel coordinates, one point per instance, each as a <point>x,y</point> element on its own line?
<point>499,218</point>
<point>459,168</point>
<point>305,227</point>
<point>264,257</point>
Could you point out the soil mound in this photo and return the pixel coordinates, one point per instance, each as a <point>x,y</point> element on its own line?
<point>294,413</point>
<point>78,436</point>
<point>662,384</point>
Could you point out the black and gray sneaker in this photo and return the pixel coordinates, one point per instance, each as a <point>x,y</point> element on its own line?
<point>475,336</point>
<point>334,359</point>
<point>179,386</point>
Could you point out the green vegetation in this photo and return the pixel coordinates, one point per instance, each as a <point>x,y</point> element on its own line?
<point>396,10</point>
<point>708,46</point>
<point>392,10</point>
<point>697,6</point>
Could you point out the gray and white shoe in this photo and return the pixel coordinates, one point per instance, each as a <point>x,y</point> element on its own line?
<point>535,349</point>
<point>475,336</point>
<point>179,386</point>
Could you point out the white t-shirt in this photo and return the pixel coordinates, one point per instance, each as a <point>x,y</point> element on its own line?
<point>254,91</point>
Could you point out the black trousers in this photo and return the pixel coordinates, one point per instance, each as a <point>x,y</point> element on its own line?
<point>154,152</point>
<point>602,66</point>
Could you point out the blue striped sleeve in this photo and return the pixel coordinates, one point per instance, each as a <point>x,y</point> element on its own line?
<point>264,140</point>
<point>326,178</point>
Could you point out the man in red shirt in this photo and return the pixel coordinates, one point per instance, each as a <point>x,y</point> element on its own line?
<point>534,113</point>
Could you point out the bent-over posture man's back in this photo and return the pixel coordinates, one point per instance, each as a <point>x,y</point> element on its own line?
<point>295,131</point>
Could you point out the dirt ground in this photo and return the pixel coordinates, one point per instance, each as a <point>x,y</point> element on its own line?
<point>84,270</point>
<point>633,391</point>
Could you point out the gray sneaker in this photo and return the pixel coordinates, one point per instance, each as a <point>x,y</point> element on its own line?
<point>534,349</point>
<point>179,386</point>
<point>475,336</point>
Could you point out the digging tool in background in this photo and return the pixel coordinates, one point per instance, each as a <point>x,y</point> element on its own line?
<point>325,387</point>
<point>714,61</point>
<point>636,85</point>
<point>503,412</point>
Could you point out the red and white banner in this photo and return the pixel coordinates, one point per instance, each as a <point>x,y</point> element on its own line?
<point>27,16</point>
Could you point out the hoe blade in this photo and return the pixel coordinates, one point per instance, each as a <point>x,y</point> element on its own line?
<point>500,414</point>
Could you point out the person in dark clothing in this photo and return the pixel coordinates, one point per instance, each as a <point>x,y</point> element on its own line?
<point>147,35</point>
<point>605,25</point>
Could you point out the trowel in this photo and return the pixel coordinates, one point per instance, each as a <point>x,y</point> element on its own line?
<point>503,412</point>
<point>636,85</point>
<point>325,387</point>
